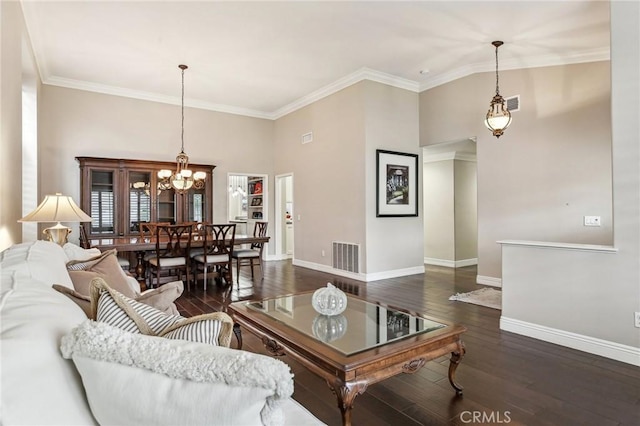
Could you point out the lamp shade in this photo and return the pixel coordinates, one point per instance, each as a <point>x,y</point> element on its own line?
<point>57,208</point>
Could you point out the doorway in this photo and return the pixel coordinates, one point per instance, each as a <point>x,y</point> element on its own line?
<point>450,203</point>
<point>284,217</point>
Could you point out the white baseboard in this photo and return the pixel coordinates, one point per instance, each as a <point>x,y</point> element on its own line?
<point>360,276</point>
<point>450,263</point>
<point>592,345</point>
<point>395,273</point>
<point>278,257</point>
<point>492,281</point>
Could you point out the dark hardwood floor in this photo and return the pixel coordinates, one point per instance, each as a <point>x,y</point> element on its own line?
<point>507,378</point>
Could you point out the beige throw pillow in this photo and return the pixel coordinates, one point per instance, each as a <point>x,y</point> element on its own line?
<point>104,266</point>
<point>81,300</point>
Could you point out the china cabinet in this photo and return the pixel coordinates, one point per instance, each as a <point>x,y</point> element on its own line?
<point>119,194</point>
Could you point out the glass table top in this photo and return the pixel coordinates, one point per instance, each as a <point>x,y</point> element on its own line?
<point>363,325</point>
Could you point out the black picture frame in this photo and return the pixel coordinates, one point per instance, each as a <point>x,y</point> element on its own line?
<point>396,184</point>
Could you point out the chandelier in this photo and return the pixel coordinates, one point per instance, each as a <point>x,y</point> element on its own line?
<point>183,179</point>
<point>498,116</point>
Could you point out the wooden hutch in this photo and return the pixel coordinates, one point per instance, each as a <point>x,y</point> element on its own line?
<point>119,194</point>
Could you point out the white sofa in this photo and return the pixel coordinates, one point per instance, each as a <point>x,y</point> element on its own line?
<point>38,385</point>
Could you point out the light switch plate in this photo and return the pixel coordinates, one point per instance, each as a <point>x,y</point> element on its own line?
<point>592,221</point>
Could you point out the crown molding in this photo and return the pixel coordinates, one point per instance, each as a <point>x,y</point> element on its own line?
<point>153,97</point>
<point>344,82</point>
<point>451,155</point>
<point>595,55</point>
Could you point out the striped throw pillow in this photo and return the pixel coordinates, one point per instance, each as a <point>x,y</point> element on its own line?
<point>111,307</point>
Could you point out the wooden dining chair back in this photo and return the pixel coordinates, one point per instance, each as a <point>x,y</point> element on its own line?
<point>148,229</point>
<point>218,247</point>
<point>251,256</point>
<point>84,239</point>
<point>173,243</point>
<point>148,232</point>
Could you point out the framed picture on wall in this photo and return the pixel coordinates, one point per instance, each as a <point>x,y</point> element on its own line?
<point>396,184</point>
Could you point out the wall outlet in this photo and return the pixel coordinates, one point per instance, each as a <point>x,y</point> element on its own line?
<point>322,253</point>
<point>637,319</point>
<point>592,221</point>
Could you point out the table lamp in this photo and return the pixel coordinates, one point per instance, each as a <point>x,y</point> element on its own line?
<point>57,208</point>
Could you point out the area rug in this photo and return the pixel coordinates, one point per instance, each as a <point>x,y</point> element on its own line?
<point>489,297</point>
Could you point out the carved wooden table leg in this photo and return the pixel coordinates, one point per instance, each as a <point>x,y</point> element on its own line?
<point>273,347</point>
<point>140,265</point>
<point>456,357</point>
<point>346,393</point>
<point>238,333</point>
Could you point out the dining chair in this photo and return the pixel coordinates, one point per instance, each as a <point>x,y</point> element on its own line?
<point>253,255</point>
<point>148,231</point>
<point>173,243</point>
<point>218,246</point>
<point>198,230</point>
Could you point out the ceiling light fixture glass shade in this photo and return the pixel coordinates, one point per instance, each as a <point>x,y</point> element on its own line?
<point>183,179</point>
<point>498,117</point>
<point>57,208</point>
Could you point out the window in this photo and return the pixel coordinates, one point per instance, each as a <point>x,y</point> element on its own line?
<point>102,211</point>
<point>139,208</point>
<point>102,203</point>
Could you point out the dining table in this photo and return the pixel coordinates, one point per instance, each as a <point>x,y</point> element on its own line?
<point>141,245</point>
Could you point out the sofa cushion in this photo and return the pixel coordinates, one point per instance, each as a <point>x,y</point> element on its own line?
<point>127,314</point>
<point>182,382</point>
<point>42,261</point>
<point>38,385</point>
<point>75,252</point>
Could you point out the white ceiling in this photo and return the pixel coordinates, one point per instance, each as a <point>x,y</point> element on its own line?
<point>265,59</point>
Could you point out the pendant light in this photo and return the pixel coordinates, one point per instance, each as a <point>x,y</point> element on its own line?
<point>498,116</point>
<point>183,178</point>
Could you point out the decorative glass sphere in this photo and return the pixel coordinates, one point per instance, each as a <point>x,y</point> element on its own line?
<point>329,328</point>
<point>329,300</point>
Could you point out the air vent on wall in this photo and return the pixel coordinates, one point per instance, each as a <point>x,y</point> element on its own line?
<point>513,103</point>
<point>307,137</point>
<point>346,256</point>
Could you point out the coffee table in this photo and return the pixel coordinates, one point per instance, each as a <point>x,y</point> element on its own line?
<point>367,343</point>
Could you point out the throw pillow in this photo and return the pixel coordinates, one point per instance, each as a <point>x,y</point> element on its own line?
<point>81,300</point>
<point>112,307</point>
<point>201,384</point>
<point>104,266</point>
<point>161,298</point>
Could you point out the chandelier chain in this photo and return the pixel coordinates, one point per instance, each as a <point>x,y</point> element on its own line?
<point>182,122</point>
<point>497,85</point>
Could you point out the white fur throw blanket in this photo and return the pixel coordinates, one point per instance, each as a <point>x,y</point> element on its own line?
<point>180,360</point>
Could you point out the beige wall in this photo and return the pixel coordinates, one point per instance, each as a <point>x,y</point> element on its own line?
<point>439,213</point>
<point>587,299</point>
<point>79,123</point>
<point>450,210</point>
<point>12,29</point>
<point>334,177</point>
<point>395,246</point>
<point>552,166</point>
<point>328,173</point>
<point>466,210</point>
